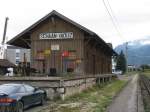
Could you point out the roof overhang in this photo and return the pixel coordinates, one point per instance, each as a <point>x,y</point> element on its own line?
<point>24,40</point>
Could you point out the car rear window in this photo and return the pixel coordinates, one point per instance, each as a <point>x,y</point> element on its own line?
<point>8,89</point>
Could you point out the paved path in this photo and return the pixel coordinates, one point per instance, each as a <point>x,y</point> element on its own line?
<point>126,101</point>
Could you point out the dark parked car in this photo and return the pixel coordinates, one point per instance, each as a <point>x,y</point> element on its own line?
<point>17,97</point>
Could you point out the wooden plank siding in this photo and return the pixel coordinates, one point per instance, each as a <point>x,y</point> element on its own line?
<point>102,59</point>
<point>92,54</point>
<point>55,59</point>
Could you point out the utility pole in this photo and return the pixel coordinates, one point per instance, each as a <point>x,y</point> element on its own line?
<point>126,56</point>
<point>2,47</point>
<point>5,28</point>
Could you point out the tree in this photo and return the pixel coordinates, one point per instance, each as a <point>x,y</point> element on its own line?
<point>121,62</point>
<point>144,66</point>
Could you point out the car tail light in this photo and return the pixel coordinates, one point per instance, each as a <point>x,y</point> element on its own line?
<point>7,100</point>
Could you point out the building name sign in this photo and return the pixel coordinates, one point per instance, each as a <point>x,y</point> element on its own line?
<point>65,35</point>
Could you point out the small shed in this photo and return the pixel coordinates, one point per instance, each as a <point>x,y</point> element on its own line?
<point>4,64</point>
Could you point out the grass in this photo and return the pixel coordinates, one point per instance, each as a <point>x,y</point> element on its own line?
<point>95,99</point>
<point>146,103</point>
<point>131,73</point>
<point>146,72</point>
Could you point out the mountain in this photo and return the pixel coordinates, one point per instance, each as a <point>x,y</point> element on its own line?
<point>138,51</point>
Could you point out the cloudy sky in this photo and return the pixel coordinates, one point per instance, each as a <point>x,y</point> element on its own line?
<point>133,16</point>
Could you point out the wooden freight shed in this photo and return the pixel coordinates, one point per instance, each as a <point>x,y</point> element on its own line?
<point>59,45</point>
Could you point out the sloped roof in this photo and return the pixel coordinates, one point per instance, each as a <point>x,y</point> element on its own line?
<point>27,31</point>
<point>6,63</point>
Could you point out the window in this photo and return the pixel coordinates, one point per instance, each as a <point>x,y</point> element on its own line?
<point>17,54</point>
<point>21,90</point>
<point>17,50</point>
<point>17,61</point>
<point>8,89</point>
<point>29,88</point>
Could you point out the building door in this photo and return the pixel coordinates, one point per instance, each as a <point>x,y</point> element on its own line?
<point>43,66</point>
<point>93,61</point>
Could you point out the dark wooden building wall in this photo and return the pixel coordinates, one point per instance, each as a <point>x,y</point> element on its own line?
<point>55,59</point>
<point>97,60</point>
<point>93,58</point>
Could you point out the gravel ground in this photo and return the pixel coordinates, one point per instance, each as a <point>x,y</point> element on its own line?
<point>126,101</point>
<point>38,108</point>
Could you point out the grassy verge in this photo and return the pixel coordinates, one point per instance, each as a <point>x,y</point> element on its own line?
<point>146,101</point>
<point>146,72</point>
<point>131,73</point>
<point>95,99</point>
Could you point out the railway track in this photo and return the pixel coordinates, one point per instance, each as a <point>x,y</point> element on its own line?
<point>145,81</point>
<point>145,92</point>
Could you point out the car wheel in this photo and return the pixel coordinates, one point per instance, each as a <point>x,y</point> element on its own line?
<point>19,106</point>
<point>43,101</point>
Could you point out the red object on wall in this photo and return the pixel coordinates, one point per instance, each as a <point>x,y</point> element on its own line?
<point>65,54</point>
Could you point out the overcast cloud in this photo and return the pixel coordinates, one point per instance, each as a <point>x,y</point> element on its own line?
<point>133,16</point>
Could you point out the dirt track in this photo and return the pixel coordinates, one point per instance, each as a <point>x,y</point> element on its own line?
<point>126,101</point>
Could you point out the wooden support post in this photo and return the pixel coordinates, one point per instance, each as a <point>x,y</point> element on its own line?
<point>99,80</point>
<point>103,79</point>
<point>62,97</point>
<point>106,80</point>
<point>109,79</point>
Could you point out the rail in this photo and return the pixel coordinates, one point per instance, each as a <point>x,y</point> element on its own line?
<point>146,83</point>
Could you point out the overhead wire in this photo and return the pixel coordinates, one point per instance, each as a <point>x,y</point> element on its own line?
<point>116,25</point>
<point>112,17</point>
<point>113,14</point>
<point>114,21</point>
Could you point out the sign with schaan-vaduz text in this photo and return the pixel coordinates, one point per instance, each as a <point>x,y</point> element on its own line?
<point>49,35</point>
